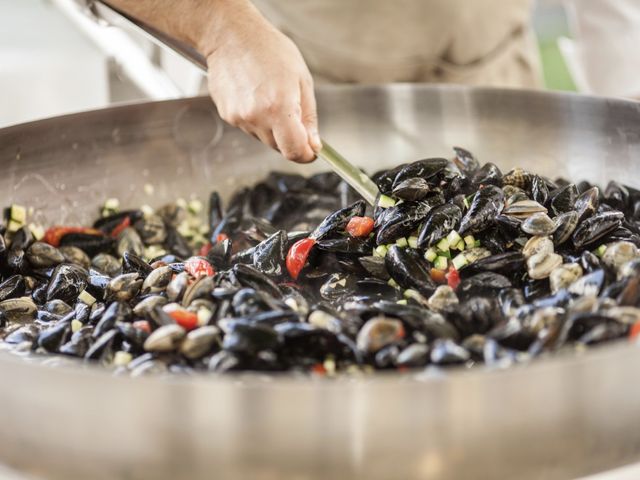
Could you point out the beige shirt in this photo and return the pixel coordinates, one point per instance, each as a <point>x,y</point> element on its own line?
<point>476,42</point>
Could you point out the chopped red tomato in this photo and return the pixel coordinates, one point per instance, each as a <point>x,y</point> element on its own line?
<point>360,226</point>
<point>319,369</point>
<point>635,331</point>
<point>53,235</point>
<point>204,249</point>
<point>184,318</point>
<point>453,277</point>
<point>125,223</point>
<point>297,256</point>
<point>438,276</point>
<point>142,325</point>
<point>198,267</point>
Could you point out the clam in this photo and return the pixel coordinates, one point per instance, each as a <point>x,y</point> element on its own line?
<point>524,209</point>
<point>539,224</point>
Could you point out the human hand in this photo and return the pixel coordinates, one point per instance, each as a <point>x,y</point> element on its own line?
<point>261,84</point>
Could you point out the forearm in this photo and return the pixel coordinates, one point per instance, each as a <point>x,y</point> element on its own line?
<point>197,23</point>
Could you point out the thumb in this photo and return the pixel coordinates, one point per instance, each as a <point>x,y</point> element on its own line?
<point>310,114</point>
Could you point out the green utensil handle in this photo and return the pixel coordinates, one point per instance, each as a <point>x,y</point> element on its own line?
<point>349,173</point>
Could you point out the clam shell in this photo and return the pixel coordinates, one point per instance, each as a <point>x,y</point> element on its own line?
<point>563,276</point>
<point>539,224</point>
<point>541,265</point>
<point>537,245</point>
<point>524,209</point>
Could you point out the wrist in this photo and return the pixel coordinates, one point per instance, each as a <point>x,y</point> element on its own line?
<point>221,19</point>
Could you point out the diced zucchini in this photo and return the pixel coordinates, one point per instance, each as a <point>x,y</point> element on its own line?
<point>460,261</point>
<point>385,201</point>
<point>469,241</point>
<point>122,359</point>
<point>413,241</point>
<point>380,251</point>
<point>147,211</point>
<point>477,243</point>
<point>441,263</point>
<point>37,231</point>
<point>430,255</point>
<point>402,302</point>
<point>454,238</point>
<point>402,242</point>
<point>393,283</point>
<point>443,245</point>
<point>461,245</point>
<point>14,226</point>
<point>195,206</point>
<point>17,214</point>
<point>600,250</point>
<point>111,204</point>
<point>87,298</point>
<point>76,325</point>
<point>330,365</point>
<point>410,293</point>
<point>446,254</point>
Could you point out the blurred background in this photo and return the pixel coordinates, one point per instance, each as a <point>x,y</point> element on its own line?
<point>68,63</point>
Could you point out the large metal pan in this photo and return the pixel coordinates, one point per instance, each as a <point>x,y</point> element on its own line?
<point>557,418</point>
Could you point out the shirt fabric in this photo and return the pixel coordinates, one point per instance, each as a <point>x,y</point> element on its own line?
<point>478,42</point>
<point>607,39</point>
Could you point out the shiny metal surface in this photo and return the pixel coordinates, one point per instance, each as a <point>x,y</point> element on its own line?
<point>557,418</point>
<point>340,165</point>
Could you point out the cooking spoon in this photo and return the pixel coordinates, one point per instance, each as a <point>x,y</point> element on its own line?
<point>340,165</point>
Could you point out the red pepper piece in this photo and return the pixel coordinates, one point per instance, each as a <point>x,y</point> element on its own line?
<point>198,267</point>
<point>438,276</point>
<point>204,249</point>
<point>319,369</point>
<point>360,226</point>
<point>54,234</point>
<point>298,255</point>
<point>125,223</point>
<point>184,318</point>
<point>142,325</point>
<point>221,237</point>
<point>453,277</point>
<point>635,331</point>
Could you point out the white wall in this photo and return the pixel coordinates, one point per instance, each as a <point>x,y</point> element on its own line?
<point>46,66</point>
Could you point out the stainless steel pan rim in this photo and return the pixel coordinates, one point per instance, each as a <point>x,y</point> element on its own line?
<point>616,351</point>
<point>558,417</point>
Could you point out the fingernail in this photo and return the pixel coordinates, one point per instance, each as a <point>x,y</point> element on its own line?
<point>315,139</point>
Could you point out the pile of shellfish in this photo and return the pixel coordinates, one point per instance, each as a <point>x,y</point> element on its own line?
<point>458,263</point>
